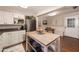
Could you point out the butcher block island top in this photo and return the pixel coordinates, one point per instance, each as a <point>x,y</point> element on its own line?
<point>44,38</point>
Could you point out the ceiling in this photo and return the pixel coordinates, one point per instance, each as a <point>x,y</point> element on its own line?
<point>68,9</point>
<point>63,10</point>
<point>31,10</point>
<point>39,10</point>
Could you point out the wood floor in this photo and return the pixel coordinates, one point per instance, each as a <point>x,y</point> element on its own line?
<point>69,44</point>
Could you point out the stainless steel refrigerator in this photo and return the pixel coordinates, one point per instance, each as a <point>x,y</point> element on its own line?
<point>30,25</point>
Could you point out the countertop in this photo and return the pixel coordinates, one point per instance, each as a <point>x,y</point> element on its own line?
<point>10,26</point>
<point>45,38</point>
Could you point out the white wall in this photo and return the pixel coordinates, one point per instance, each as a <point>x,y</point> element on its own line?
<point>40,21</point>
<point>7,17</point>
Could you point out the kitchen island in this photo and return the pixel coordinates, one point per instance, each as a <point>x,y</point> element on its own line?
<point>45,40</point>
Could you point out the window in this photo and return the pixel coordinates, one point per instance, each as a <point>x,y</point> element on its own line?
<point>71,22</point>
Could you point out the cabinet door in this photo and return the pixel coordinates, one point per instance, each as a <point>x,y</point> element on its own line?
<point>1,18</point>
<point>10,38</point>
<point>8,18</point>
<point>1,42</point>
<point>4,40</point>
<point>16,37</point>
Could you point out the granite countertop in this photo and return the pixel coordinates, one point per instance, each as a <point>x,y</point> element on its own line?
<point>11,24</point>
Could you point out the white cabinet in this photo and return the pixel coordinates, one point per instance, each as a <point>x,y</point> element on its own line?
<point>20,16</point>
<point>17,48</point>
<point>7,17</point>
<point>1,18</point>
<point>10,38</point>
<point>1,43</point>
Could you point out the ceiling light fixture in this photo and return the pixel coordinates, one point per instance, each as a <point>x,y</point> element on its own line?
<point>53,14</point>
<point>24,6</point>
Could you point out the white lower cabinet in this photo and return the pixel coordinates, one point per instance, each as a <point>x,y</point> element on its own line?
<point>11,38</point>
<point>17,48</point>
<point>1,43</point>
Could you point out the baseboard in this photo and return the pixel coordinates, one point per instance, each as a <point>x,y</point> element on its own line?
<point>71,37</point>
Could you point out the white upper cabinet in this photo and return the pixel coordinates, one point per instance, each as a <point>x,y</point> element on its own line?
<point>8,17</point>
<point>20,16</point>
<point>1,18</point>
